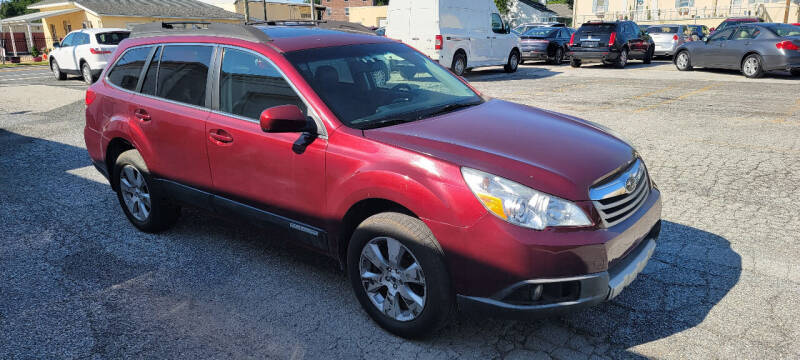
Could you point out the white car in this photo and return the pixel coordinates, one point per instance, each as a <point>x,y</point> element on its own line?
<point>459,34</point>
<point>85,52</point>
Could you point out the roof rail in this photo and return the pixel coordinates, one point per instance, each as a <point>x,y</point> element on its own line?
<point>190,28</point>
<point>322,24</point>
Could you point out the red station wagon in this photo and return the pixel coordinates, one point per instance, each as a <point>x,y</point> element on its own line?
<point>432,196</point>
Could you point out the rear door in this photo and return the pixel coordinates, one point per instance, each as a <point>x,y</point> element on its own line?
<point>171,111</point>
<point>734,49</point>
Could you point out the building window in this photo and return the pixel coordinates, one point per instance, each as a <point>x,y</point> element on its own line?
<point>600,6</point>
<point>684,3</point>
<point>328,11</point>
<point>347,11</point>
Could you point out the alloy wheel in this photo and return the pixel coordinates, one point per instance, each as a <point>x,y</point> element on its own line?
<point>514,62</point>
<point>559,56</point>
<point>87,74</point>
<point>751,66</point>
<point>392,278</point>
<point>623,58</point>
<point>683,60</point>
<point>135,192</point>
<point>460,66</point>
<point>56,71</point>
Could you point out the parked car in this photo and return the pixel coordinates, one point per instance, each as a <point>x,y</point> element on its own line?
<point>85,52</point>
<point>519,30</point>
<point>460,34</point>
<point>425,202</point>
<point>752,48</point>
<point>611,43</point>
<point>381,31</point>
<point>668,37</point>
<point>545,43</point>
<point>698,32</point>
<point>734,21</point>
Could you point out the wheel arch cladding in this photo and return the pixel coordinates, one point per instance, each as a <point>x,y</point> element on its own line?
<point>359,212</point>
<point>116,147</point>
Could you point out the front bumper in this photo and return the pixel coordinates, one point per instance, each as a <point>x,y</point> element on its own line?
<point>591,289</point>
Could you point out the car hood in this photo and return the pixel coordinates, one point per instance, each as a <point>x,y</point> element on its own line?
<point>547,151</point>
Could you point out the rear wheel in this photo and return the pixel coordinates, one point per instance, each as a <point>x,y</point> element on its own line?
<point>140,200</point>
<point>558,57</point>
<point>682,61</point>
<point>398,274</point>
<point>57,71</point>
<point>623,59</point>
<point>88,78</point>
<point>648,58</point>
<point>459,65</point>
<point>513,62</point>
<point>576,63</point>
<point>795,72</point>
<point>751,66</point>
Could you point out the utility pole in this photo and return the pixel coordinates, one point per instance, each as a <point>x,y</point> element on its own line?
<point>264,2</point>
<point>246,11</point>
<point>786,13</point>
<point>313,10</point>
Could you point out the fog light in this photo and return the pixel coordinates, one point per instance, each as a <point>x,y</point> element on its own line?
<point>536,292</point>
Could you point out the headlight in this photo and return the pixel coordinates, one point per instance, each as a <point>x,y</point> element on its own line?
<point>521,205</point>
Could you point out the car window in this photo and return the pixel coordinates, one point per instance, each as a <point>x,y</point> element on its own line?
<point>746,33</point>
<point>250,84</point>
<point>68,40</point>
<point>539,32</point>
<point>497,23</point>
<point>662,30</point>
<point>182,73</point>
<point>721,35</point>
<point>391,83</point>
<point>150,78</point>
<point>112,38</point>
<point>597,28</point>
<point>128,68</point>
<point>785,30</point>
<point>85,39</point>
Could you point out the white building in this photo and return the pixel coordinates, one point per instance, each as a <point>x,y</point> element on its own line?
<point>528,11</point>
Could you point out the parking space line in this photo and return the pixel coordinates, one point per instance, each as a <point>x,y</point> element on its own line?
<point>24,78</point>
<point>25,68</point>
<point>668,101</point>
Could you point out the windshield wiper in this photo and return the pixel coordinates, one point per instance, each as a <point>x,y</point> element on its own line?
<point>450,108</point>
<point>387,122</point>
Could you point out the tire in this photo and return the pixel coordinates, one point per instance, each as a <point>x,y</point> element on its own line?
<point>576,63</point>
<point>558,57</point>
<point>648,58</point>
<point>60,76</point>
<point>513,62</point>
<point>417,246</point>
<point>134,186</point>
<point>795,72</point>
<point>683,61</point>
<point>86,71</point>
<point>623,59</point>
<point>752,66</point>
<point>459,66</point>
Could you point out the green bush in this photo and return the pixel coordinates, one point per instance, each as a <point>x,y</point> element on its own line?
<point>35,52</point>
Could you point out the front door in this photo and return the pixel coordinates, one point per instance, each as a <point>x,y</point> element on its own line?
<point>502,43</point>
<point>65,54</point>
<point>711,53</point>
<point>277,172</point>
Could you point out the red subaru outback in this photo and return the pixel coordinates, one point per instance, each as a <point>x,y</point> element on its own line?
<point>432,196</point>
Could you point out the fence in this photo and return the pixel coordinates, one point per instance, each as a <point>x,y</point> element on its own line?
<point>768,12</point>
<point>21,42</point>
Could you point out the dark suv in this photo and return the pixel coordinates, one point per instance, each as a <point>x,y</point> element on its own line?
<point>432,196</point>
<point>611,43</point>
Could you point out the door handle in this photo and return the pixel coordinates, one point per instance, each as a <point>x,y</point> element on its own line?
<point>220,136</point>
<point>141,114</point>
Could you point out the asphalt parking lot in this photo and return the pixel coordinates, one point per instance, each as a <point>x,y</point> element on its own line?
<point>77,281</point>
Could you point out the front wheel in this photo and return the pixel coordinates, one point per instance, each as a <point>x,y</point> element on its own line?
<point>398,274</point>
<point>57,71</point>
<point>513,62</point>
<point>795,72</point>
<point>752,66</point>
<point>648,58</point>
<point>576,63</point>
<point>140,200</point>
<point>623,59</point>
<point>683,62</point>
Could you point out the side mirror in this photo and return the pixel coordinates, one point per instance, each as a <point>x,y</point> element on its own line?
<point>56,44</point>
<point>705,38</point>
<point>283,119</point>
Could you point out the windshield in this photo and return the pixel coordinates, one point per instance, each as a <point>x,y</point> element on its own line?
<point>785,30</point>
<point>597,28</point>
<point>375,85</point>
<point>112,38</point>
<point>539,32</point>
<point>662,30</point>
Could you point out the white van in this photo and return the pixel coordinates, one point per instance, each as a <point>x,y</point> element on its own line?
<point>461,34</point>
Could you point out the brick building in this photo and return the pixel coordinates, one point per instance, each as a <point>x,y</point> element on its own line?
<point>339,9</point>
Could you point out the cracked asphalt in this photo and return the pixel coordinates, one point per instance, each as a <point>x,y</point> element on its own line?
<point>77,281</point>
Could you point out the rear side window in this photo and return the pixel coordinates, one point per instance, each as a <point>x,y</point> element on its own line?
<point>150,78</point>
<point>249,84</point>
<point>111,38</point>
<point>182,73</point>
<point>662,29</point>
<point>128,68</point>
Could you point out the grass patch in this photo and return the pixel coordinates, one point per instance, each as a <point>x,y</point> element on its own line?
<point>10,65</point>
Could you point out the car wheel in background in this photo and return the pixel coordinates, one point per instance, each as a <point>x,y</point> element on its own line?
<point>648,58</point>
<point>795,72</point>
<point>138,197</point>
<point>86,71</point>
<point>751,66</point>
<point>513,62</point>
<point>459,64</point>
<point>623,59</point>
<point>682,61</point>
<point>398,274</point>
<point>57,71</point>
<point>576,63</point>
<point>558,57</point>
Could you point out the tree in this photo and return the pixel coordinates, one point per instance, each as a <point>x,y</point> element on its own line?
<point>15,8</point>
<point>502,5</point>
<point>381,2</point>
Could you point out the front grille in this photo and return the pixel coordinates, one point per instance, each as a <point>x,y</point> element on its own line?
<point>619,197</point>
